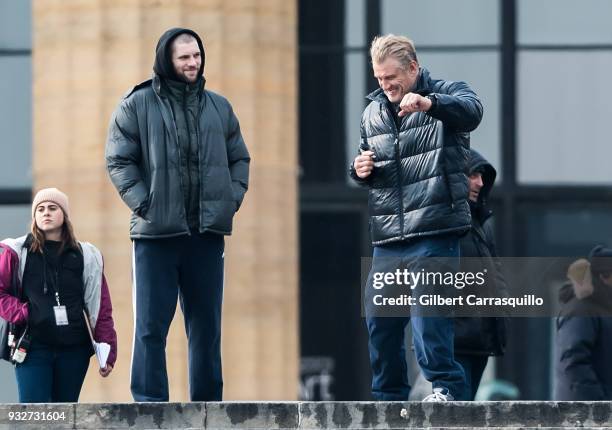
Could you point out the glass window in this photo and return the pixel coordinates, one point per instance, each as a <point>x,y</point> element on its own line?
<point>322,103</point>
<point>355,23</point>
<point>355,102</point>
<point>564,21</point>
<point>14,220</point>
<point>564,117</point>
<point>15,24</point>
<point>569,228</point>
<point>15,121</point>
<point>442,22</point>
<point>481,71</point>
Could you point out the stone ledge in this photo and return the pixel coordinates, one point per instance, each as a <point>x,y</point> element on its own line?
<point>309,415</point>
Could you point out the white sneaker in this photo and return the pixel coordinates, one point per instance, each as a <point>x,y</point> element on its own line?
<point>439,395</point>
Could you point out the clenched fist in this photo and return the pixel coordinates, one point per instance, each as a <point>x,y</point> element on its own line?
<point>364,163</point>
<point>413,102</point>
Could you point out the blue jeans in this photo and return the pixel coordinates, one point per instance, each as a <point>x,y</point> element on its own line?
<point>432,336</point>
<point>52,374</point>
<point>188,268</point>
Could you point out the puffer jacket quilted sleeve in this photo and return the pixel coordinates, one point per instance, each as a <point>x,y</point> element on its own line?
<point>123,156</point>
<point>457,106</point>
<point>238,159</point>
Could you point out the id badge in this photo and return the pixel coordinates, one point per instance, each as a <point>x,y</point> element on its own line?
<point>61,317</point>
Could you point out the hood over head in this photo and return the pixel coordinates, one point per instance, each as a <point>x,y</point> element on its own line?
<point>163,53</point>
<point>479,164</point>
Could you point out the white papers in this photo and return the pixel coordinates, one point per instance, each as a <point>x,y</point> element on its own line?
<point>102,350</point>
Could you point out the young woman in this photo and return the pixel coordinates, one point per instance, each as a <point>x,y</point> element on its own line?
<point>49,282</point>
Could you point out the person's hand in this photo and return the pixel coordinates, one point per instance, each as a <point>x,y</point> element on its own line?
<point>106,371</point>
<point>413,102</point>
<point>363,164</point>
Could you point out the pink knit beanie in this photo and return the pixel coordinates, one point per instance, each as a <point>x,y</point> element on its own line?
<point>51,195</point>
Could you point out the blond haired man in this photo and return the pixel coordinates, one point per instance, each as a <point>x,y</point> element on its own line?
<point>413,156</point>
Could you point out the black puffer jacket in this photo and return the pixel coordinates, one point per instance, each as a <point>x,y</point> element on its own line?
<point>419,185</point>
<point>583,350</point>
<point>477,335</point>
<point>144,161</point>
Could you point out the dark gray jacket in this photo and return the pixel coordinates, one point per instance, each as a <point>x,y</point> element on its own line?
<point>149,168</point>
<point>419,185</point>
<point>143,161</point>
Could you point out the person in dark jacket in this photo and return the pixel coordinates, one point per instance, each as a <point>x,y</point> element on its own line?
<point>413,157</point>
<point>477,338</point>
<point>583,350</point>
<point>49,284</point>
<point>176,155</point>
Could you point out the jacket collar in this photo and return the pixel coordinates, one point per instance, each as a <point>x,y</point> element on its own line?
<point>180,91</point>
<point>156,82</point>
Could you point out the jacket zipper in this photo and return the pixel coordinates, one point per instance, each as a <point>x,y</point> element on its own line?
<point>398,162</point>
<point>178,151</point>
<point>168,108</point>
<point>188,156</point>
<point>196,124</point>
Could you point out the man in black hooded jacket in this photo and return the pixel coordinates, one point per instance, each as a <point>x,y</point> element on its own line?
<point>177,158</point>
<point>477,338</point>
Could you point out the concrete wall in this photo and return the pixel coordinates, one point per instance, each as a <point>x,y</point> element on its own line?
<point>324,415</point>
<point>86,55</point>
